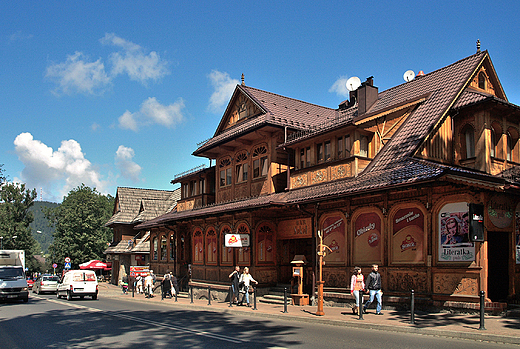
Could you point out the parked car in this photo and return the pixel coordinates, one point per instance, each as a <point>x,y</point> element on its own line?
<point>45,283</point>
<point>78,283</point>
<point>30,283</point>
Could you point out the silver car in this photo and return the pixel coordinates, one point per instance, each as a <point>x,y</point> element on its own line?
<point>46,283</point>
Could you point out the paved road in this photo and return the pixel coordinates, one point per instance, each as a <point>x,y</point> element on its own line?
<point>45,322</point>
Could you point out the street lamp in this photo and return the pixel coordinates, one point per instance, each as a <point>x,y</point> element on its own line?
<point>14,241</point>
<point>1,242</point>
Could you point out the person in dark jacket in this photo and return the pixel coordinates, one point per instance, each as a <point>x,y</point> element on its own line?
<point>373,284</point>
<point>235,276</point>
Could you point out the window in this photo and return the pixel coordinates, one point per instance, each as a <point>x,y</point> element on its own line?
<point>185,190</point>
<point>193,188</point>
<point>164,251</point>
<point>305,157</point>
<point>468,142</point>
<point>211,246</point>
<point>482,80</point>
<point>260,166</point>
<point>493,150</point>
<point>512,140</point>
<point>198,247</point>
<point>327,149</point>
<point>226,256</point>
<point>202,184</point>
<point>241,167</point>
<point>319,152</point>
<point>363,146</point>
<point>154,245</point>
<point>172,247</point>
<point>225,172</point>
<point>509,147</point>
<point>244,253</point>
<point>265,244</point>
<point>496,135</point>
<point>242,110</point>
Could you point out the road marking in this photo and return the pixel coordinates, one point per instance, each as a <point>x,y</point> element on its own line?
<point>150,322</point>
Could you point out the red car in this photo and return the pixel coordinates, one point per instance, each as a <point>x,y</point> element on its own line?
<point>30,283</point>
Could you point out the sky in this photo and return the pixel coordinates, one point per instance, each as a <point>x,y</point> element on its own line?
<point>119,93</point>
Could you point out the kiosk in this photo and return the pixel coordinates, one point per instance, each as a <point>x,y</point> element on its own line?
<point>297,272</point>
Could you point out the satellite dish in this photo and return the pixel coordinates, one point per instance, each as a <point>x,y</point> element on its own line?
<point>353,83</point>
<point>409,75</point>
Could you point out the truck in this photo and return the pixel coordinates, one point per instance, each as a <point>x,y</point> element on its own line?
<point>13,283</point>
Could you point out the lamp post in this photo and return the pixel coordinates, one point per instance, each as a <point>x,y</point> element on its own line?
<point>1,242</point>
<point>14,241</point>
<point>322,252</point>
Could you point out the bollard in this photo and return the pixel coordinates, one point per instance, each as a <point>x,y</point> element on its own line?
<point>482,310</point>
<point>285,300</point>
<point>360,305</point>
<point>162,292</point>
<point>254,293</point>
<point>176,292</point>
<point>209,295</point>
<point>412,308</point>
<point>191,294</point>
<point>133,290</point>
<point>231,296</point>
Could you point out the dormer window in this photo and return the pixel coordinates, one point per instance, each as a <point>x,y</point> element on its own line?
<point>468,134</point>
<point>482,80</point>
<point>242,110</point>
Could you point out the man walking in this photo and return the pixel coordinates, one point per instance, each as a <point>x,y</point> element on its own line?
<point>374,288</point>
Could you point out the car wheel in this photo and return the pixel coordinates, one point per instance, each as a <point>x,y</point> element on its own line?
<point>69,296</point>
<point>94,297</point>
<point>58,295</point>
<point>81,297</point>
<point>26,299</point>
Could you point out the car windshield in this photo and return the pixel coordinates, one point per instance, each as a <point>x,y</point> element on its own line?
<point>12,273</point>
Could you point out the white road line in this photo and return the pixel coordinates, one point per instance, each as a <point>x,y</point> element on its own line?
<point>150,322</point>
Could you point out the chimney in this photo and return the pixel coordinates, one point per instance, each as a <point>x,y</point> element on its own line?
<point>366,95</point>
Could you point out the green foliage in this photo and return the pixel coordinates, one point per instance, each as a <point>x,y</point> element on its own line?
<point>15,219</point>
<point>42,225</point>
<point>79,221</point>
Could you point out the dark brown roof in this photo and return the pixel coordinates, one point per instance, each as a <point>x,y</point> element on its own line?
<point>279,111</point>
<point>139,205</point>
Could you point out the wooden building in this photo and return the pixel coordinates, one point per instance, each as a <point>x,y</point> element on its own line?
<point>387,177</point>
<point>130,247</point>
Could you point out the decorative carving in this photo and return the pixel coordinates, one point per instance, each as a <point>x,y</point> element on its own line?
<point>456,284</point>
<point>319,176</point>
<point>404,281</point>
<point>334,278</point>
<point>299,181</point>
<point>339,171</point>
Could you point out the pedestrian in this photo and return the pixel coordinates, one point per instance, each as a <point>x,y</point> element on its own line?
<point>139,283</point>
<point>235,276</point>
<point>374,288</point>
<point>174,283</point>
<point>148,285</point>
<point>246,278</point>
<point>357,283</point>
<point>124,284</point>
<point>166,285</point>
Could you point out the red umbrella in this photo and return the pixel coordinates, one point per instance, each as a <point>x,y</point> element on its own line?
<point>93,265</point>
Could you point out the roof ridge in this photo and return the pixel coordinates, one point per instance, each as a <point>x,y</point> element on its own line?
<point>290,98</point>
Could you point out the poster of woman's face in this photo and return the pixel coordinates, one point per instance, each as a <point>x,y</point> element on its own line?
<point>454,243</point>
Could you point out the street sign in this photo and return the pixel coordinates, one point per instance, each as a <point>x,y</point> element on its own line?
<point>67,265</point>
<point>67,259</point>
<point>55,265</point>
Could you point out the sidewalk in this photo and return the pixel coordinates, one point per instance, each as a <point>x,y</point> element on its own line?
<point>464,326</point>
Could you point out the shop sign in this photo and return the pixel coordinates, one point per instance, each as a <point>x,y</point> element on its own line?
<point>139,270</point>
<point>295,229</point>
<point>500,211</point>
<point>237,240</point>
<point>408,235</point>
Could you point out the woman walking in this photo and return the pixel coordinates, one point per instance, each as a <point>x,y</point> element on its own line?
<point>357,283</point>
<point>246,278</point>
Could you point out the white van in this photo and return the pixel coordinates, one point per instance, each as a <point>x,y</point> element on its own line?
<point>78,283</point>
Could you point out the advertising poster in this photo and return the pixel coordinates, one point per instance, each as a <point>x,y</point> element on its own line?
<point>139,270</point>
<point>334,236</point>
<point>408,236</point>
<point>367,238</point>
<point>454,244</point>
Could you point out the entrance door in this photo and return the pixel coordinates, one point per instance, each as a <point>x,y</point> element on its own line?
<point>498,265</point>
<point>287,249</point>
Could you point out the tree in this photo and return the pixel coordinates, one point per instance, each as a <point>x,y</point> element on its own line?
<point>80,221</point>
<point>15,219</point>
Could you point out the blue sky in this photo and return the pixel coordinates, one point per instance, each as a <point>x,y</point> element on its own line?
<point>119,93</point>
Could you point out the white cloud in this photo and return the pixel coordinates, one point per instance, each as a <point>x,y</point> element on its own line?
<point>223,89</point>
<point>133,60</point>
<point>55,170</point>
<point>19,36</point>
<point>339,87</point>
<point>78,74</point>
<point>153,112</point>
<point>128,168</point>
